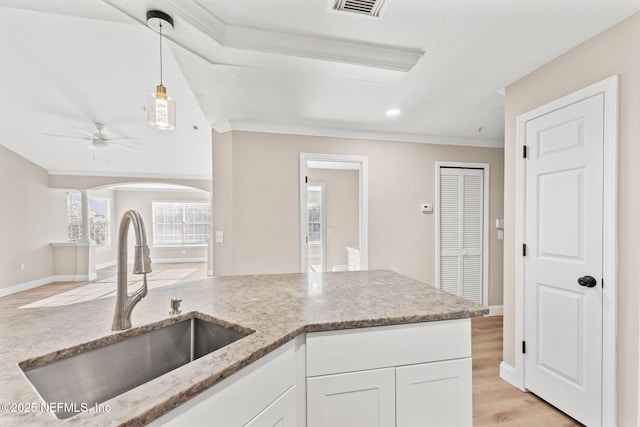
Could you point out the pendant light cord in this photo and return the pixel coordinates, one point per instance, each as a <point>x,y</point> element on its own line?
<point>160,53</point>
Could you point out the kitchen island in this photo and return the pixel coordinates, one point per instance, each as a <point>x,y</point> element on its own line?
<point>314,311</point>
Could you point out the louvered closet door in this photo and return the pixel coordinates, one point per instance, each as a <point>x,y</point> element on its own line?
<point>461,240</point>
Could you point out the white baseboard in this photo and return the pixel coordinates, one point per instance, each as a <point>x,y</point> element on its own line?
<point>45,281</point>
<point>177,260</point>
<point>496,310</point>
<point>209,273</point>
<point>509,374</point>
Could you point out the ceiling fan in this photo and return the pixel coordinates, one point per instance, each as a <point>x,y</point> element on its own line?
<point>100,140</point>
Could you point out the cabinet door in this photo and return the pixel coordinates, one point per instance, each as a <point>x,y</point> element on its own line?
<point>434,394</point>
<point>281,413</point>
<point>354,399</point>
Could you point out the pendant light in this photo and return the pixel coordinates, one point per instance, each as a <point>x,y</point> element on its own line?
<point>161,108</point>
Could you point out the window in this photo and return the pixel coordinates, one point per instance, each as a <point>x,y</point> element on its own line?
<point>314,209</point>
<point>181,223</point>
<point>99,219</point>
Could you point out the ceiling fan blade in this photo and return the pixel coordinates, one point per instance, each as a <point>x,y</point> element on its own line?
<point>83,131</point>
<point>128,147</point>
<point>67,136</point>
<point>133,138</point>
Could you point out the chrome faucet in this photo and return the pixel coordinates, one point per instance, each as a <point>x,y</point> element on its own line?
<point>141,265</point>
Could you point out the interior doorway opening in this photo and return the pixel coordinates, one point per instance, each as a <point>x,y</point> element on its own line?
<point>333,212</point>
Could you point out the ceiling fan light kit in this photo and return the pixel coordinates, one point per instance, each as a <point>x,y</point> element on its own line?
<point>161,108</point>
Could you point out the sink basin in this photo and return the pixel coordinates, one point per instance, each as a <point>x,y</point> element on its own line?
<point>91,377</point>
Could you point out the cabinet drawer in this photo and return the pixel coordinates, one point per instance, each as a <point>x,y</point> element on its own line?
<point>379,347</point>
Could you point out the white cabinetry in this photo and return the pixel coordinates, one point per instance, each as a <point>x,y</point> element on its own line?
<point>281,413</point>
<point>434,394</point>
<point>365,398</point>
<point>264,393</point>
<point>406,375</point>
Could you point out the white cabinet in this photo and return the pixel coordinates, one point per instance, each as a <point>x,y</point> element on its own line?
<point>355,399</point>
<point>281,413</point>
<point>406,375</point>
<point>434,394</point>
<point>265,390</point>
<point>416,374</point>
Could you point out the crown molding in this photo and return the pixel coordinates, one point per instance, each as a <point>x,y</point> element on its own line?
<point>249,126</point>
<point>197,15</point>
<point>322,48</point>
<point>59,172</point>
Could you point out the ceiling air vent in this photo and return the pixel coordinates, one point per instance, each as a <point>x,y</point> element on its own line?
<point>362,7</point>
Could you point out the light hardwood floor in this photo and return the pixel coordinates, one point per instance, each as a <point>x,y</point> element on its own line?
<point>495,402</point>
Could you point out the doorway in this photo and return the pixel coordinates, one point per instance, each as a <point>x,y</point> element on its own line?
<point>333,212</point>
<point>565,237</point>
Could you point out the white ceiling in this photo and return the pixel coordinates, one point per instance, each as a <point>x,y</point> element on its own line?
<point>278,66</point>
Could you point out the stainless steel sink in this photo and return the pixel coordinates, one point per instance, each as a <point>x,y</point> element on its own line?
<point>94,376</point>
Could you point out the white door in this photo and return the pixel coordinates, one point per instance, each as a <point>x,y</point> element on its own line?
<point>354,399</point>
<point>461,236</point>
<point>563,235</point>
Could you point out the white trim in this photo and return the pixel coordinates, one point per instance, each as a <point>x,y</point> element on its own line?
<point>609,87</point>
<point>45,281</point>
<point>254,126</point>
<point>306,46</point>
<point>209,273</point>
<point>321,48</point>
<point>163,177</point>
<point>509,374</point>
<point>177,260</point>
<point>363,196</point>
<point>496,310</point>
<point>485,229</point>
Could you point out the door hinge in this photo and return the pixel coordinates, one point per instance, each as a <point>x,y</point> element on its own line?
<point>602,283</point>
<point>525,151</point>
<point>524,347</point>
<point>524,249</point>
<point>306,179</point>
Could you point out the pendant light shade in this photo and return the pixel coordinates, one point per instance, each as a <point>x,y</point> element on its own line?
<point>161,108</point>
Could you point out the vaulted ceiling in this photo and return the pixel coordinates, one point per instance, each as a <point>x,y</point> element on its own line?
<point>277,66</point>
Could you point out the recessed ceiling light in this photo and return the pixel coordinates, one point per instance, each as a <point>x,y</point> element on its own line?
<point>393,112</point>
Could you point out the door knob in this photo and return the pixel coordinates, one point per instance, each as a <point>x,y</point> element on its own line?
<point>587,281</point>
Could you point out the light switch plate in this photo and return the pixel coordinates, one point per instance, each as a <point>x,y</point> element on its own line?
<point>219,237</point>
<point>500,223</point>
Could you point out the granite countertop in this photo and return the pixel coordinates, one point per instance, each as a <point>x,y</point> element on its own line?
<point>277,307</point>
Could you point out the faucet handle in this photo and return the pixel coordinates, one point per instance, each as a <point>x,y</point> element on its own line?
<point>175,306</point>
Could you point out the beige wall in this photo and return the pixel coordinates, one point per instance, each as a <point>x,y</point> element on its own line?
<point>27,226</point>
<point>612,52</point>
<point>255,180</point>
<point>141,201</point>
<point>341,212</point>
